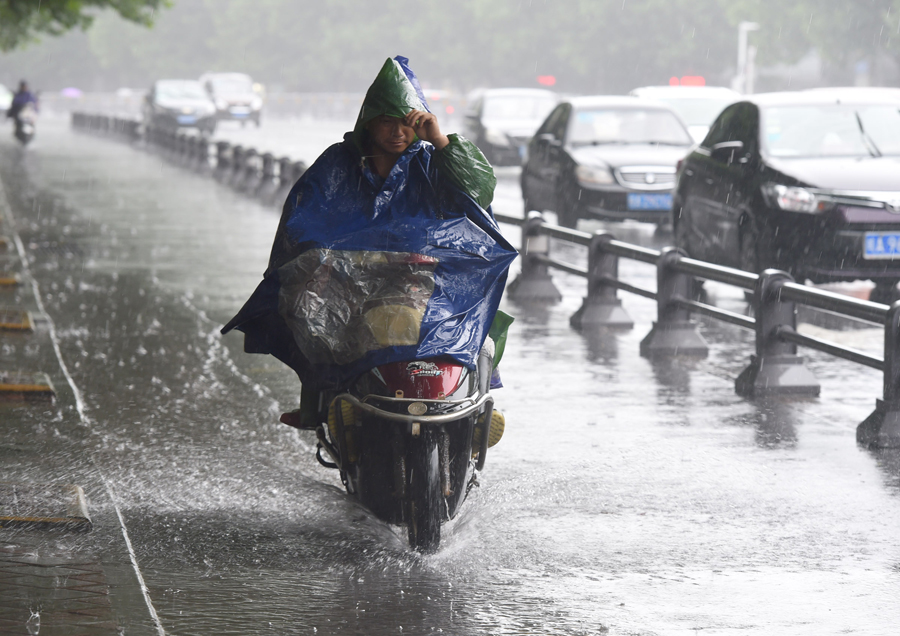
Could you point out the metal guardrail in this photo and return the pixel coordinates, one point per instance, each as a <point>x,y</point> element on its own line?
<point>247,170</point>
<point>774,369</point>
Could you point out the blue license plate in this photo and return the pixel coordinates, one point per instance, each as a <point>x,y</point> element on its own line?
<point>883,245</point>
<point>650,201</point>
<point>186,119</point>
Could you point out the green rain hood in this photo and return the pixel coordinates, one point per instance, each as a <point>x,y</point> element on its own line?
<point>395,92</point>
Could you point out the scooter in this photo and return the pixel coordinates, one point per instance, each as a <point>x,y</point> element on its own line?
<point>25,124</point>
<point>408,439</point>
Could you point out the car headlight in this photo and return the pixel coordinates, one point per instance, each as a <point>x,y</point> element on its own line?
<point>496,137</point>
<point>256,103</point>
<point>594,175</point>
<point>796,199</point>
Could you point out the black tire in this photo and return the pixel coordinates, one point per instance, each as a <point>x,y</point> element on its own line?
<point>885,293</point>
<point>527,206</point>
<point>567,212</point>
<point>749,249</point>
<point>424,498</point>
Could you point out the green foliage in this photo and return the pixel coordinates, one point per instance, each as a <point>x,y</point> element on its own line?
<point>336,45</point>
<point>22,20</point>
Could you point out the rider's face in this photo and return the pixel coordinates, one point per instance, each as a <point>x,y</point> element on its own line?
<point>390,134</point>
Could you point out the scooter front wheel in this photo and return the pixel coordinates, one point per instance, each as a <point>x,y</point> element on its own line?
<point>424,497</point>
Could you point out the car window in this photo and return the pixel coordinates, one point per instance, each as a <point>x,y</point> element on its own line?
<point>739,122</point>
<point>555,124</point>
<point>232,85</point>
<point>603,125</point>
<point>697,111</point>
<point>517,106</point>
<point>180,90</point>
<point>832,130</point>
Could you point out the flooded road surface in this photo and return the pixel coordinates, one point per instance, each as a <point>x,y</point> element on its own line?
<point>626,497</point>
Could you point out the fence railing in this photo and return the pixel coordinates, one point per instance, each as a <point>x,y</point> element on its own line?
<point>258,174</point>
<point>774,368</point>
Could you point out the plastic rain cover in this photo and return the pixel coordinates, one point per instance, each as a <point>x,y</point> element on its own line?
<point>366,271</point>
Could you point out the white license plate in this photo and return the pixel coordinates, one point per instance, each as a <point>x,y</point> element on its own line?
<point>650,201</point>
<point>882,245</point>
<point>186,119</point>
<point>240,110</point>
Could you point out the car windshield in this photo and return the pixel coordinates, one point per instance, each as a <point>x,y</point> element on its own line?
<point>697,111</point>
<point>518,107</point>
<point>627,126</point>
<point>232,85</point>
<point>832,130</point>
<point>180,90</point>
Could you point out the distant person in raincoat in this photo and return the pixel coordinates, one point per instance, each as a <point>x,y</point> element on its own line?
<point>396,184</point>
<point>20,100</point>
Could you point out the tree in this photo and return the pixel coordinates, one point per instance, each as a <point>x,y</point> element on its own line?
<point>22,20</point>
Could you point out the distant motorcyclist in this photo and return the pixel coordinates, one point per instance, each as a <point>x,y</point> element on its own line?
<point>383,187</point>
<point>22,99</point>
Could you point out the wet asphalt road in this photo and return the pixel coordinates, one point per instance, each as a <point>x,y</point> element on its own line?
<point>628,496</point>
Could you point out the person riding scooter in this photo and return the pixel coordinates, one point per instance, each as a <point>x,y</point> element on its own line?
<point>21,100</point>
<point>396,183</point>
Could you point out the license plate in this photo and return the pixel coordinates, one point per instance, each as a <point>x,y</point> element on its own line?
<point>882,245</point>
<point>650,201</point>
<point>240,110</point>
<point>186,119</point>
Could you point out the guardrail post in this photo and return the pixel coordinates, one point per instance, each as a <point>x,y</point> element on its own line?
<point>673,333</point>
<point>267,180</point>
<point>534,285</point>
<point>776,368</point>
<point>601,306</point>
<point>201,151</point>
<point>882,428</point>
<point>223,160</point>
<point>237,165</point>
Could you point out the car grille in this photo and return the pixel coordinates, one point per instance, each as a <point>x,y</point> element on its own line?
<point>646,177</point>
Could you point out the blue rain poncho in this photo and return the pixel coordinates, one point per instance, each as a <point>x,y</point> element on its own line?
<point>366,271</point>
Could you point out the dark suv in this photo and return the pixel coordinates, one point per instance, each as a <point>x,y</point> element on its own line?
<point>607,158</point>
<point>807,182</point>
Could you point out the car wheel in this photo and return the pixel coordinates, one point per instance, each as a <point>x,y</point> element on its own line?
<point>567,207</point>
<point>528,206</point>
<point>749,250</point>
<point>885,293</point>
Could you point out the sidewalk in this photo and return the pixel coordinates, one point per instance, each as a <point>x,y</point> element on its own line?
<point>59,573</point>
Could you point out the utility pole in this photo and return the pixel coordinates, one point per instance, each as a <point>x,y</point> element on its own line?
<point>743,81</point>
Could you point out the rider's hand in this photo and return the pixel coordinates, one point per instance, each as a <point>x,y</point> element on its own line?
<point>426,126</point>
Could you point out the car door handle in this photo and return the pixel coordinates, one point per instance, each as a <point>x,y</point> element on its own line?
<point>710,181</point>
<point>689,172</point>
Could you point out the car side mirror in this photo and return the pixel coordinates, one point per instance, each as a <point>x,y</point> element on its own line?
<point>727,151</point>
<point>548,139</point>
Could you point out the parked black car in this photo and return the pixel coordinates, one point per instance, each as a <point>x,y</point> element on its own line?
<point>179,104</point>
<point>805,182</point>
<point>605,157</point>
<point>234,96</point>
<point>501,121</point>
